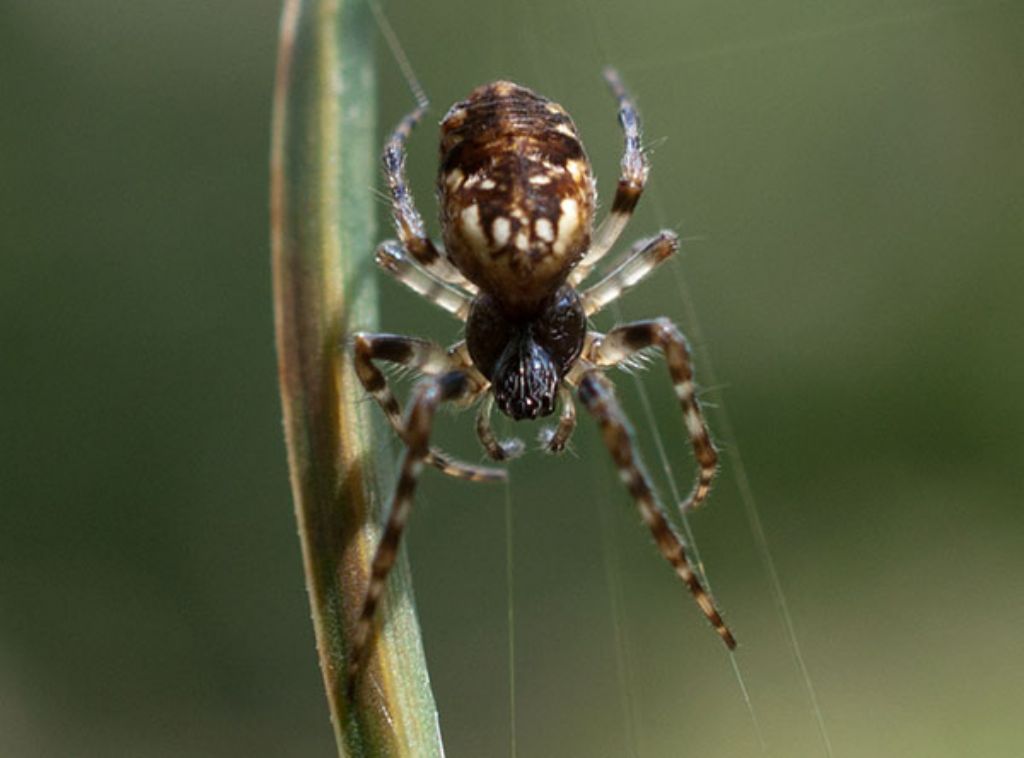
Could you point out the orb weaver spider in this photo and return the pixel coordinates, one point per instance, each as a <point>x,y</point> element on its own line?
<point>517,199</point>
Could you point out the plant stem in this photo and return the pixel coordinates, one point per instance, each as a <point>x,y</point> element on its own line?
<point>322,227</point>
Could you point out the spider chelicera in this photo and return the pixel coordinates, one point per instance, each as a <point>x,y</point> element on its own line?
<point>517,199</point>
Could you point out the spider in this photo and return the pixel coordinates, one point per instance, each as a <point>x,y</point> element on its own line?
<point>517,199</point>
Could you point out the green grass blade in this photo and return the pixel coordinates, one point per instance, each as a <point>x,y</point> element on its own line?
<point>323,166</point>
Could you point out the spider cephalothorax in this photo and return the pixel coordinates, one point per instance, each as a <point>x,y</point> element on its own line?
<point>517,201</point>
<point>526,360</point>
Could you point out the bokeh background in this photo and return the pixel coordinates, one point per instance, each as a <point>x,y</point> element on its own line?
<point>850,181</point>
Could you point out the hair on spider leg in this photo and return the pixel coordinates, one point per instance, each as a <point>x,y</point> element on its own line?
<point>380,196</point>
<point>651,147</point>
<point>403,373</point>
<point>703,390</point>
<point>638,362</point>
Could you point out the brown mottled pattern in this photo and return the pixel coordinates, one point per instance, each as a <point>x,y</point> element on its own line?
<point>517,204</point>
<point>644,257</point>
<point>629,339</point>
<point>416,354</point>
<point>408,221</point>
<point>598,398</point>
<point>632,178</point>
<point>634,167</point>
<point>428,396</point>
<point>422,280</point>
<point>517,158</point>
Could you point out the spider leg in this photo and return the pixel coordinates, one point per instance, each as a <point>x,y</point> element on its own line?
<point>554,439</point>
<point>632,177</point>
<point>499,450</point>
<point>626,340</point>
<point>392,258</point>
<point>419,420</point>
<point>408,221</point>
<point>424,356</point>
<point>645,256</point>
<point>598,397</point>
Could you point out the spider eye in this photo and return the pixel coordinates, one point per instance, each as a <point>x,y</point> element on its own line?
<point>525,380</point>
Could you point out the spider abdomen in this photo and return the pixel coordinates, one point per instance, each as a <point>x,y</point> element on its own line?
<point>516,194</point>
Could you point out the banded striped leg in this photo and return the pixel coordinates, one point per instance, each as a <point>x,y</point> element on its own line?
<point>424,356</point>
<point>392,258</point>
<point>642,260</point>
<point>598,396</point>
<point>428,395</point>
<point>622,342</point>
<point>499,450</point>
<point>408,221</point>
<point>554,439</point>
<point>632,177</point>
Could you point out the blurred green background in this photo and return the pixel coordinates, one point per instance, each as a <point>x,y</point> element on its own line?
<point>850,180</point>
